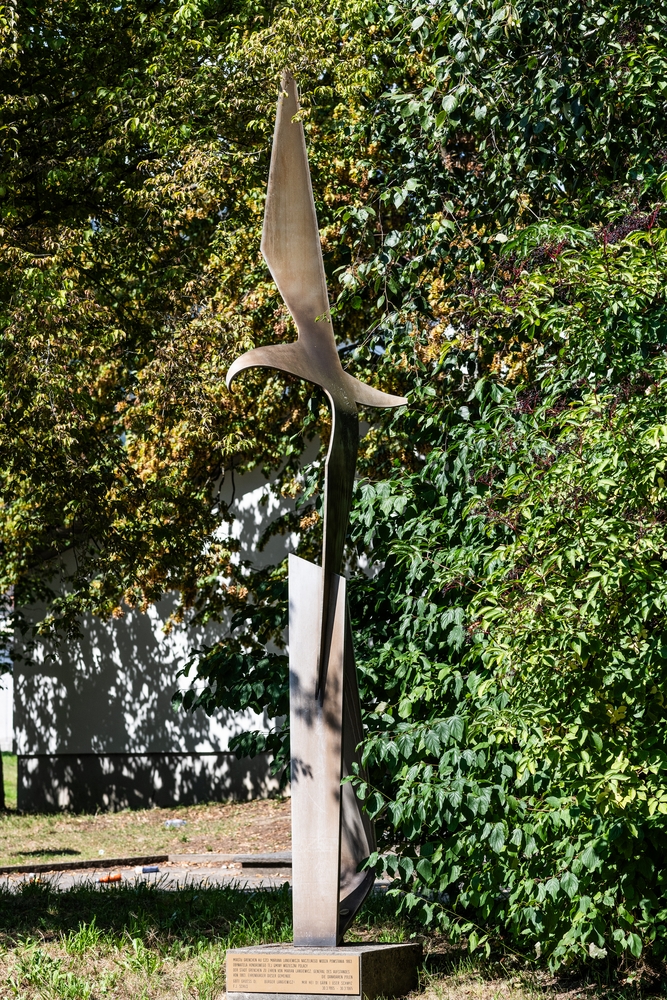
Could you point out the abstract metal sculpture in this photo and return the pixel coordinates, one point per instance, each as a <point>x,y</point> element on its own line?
<point>330,833</point>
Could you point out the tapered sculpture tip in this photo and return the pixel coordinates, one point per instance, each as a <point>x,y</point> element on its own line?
<point>287,79</point>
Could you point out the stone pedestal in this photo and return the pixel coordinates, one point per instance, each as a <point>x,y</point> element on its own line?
<point>352,971</point>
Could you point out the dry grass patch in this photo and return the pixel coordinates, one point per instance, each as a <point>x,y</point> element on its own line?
<point>225,827</point>
<point>466,979</point>
<point>469,983</point>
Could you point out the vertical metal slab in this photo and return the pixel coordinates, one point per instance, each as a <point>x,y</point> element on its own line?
<point>316,751</point>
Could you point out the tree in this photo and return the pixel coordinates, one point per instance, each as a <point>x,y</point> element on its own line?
<point>517,624</point>
<point>132,187</point>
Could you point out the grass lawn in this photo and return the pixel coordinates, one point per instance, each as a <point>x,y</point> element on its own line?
<point>228,827</point>
<point>9,774</point>
<point>144,943</point>
<point>126,942</point>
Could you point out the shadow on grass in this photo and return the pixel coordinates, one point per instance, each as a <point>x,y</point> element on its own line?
<point>511,978</point>
<point>47,852</point>
<point>146,911</point>
<point>150,911</point>
<point>231,916</point>
<point>146,921</point>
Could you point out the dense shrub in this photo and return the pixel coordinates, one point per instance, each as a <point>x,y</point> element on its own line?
<point>520,670</point>
<point>514,637</point>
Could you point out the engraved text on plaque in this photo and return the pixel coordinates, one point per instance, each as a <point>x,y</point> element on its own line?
<point>257,972</point>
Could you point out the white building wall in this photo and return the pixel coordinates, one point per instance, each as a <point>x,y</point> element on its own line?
<point>109,693</point>
<point>6,713</point>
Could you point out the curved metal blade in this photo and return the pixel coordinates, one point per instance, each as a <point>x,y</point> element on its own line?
<point>298,360</point>
<point>284,357</point>
<point>291,248</point>
<point>290,238</point>
<point>366,395</point>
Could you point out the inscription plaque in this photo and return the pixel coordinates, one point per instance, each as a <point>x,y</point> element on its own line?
<point>254,972</point>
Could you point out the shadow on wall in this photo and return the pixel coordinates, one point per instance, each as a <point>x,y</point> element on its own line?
<point>93,720</point>
<point>110,692</point>
<point>255,506</point>
<point>88,782</point>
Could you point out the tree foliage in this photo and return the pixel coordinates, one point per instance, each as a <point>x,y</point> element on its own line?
<point>132,193</point>
<point>522,652</point>
<point>515,632</point>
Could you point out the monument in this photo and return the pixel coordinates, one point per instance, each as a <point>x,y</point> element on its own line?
<point>331,835</point>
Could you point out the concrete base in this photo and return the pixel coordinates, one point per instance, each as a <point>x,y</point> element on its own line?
<point>352,971</point>
<point>88,782</point>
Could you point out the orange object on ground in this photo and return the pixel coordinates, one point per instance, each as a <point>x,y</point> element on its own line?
<point>115,877</point>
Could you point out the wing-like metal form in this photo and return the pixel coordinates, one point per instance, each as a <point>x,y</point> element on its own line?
<point>290,237</point>
<point>291,248</point>
<point>297,360</point>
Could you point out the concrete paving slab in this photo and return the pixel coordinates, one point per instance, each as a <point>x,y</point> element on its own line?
<point>169,876</point>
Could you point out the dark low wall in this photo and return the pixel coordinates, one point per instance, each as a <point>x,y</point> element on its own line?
<point>90,782</point>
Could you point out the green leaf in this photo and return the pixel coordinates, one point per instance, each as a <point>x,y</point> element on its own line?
<point>589,858</point>
<point>570,883</point>
<point>424,868</point>
<point>634,945</point>
<point>497,837</point>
